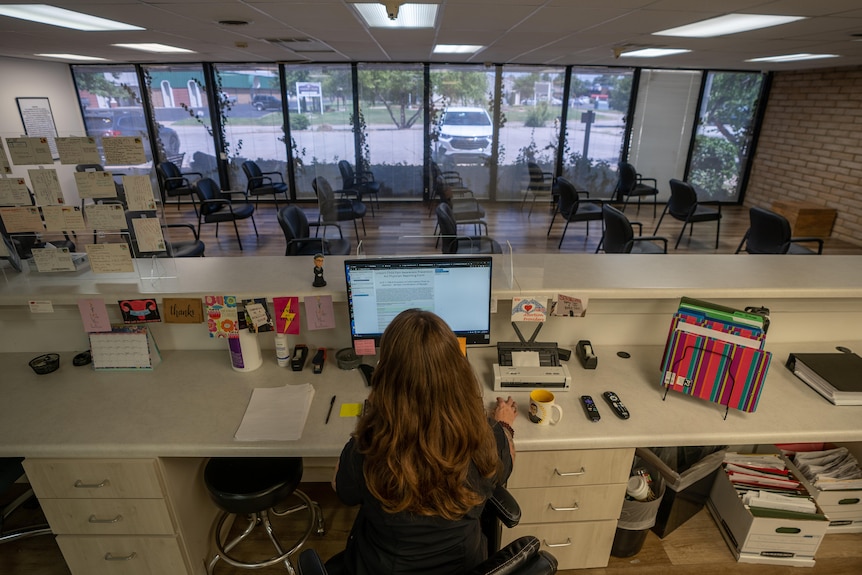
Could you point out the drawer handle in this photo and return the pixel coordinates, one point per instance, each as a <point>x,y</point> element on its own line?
<point>575,508</point>
<point>569,473</point>
<point>94,519</point>
<point>568,543</point>
<point>81,485</point>
<point>110,557</point>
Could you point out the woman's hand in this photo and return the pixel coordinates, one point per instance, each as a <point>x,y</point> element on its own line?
<point>505,410</point>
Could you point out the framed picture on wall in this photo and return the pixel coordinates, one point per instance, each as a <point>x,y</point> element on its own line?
<point>38,120</point>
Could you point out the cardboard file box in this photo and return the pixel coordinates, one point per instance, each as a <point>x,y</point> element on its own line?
<point>842,507</point>
<point>762,539</point>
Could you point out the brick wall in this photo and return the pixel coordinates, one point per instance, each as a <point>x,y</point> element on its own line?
<point>810,146</point>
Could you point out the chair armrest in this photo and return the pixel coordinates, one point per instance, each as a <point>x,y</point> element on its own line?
<point>639,226</point>
<point>365,176</point>
<point>652,239</point>
<point>522,556</point>
<point>640,178</point>
<point>177,226</point>
<point>182,179</point>
<point>229,194</point>
<point>818,241</point>
<point>310,564</point>
<point>505,506</point>
<point>280,176</point>
<point>198,174</point>
<point>584,192</point>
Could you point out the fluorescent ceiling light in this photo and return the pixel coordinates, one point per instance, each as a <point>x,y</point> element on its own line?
<point>457,48</point>
<point>409,15</point>
<point>54,16</point>
<point>653,52</point>
<point>71,57</point>
<point>729,24</point>
<point>793,57</point>
<point>156,48</point>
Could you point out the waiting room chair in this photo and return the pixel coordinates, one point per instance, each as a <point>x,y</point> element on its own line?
<point>297,234</point>
<point>632,184</point>
<point>10,471</point>
<point>522,556</point>
<point>573,209</point>
<point>619,236</point>
<point>447,185</point>
<point>454,244</point>
<point>770,234</point>
<point>541,185</point>
<point>176,184</point>
<point>217,206</point>
<point>264,183</point>
<point>334,210</point>
<point>191,248</point>
<point>362,183</point>
<point>684,206</point>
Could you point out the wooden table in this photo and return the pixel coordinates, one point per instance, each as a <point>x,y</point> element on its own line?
<point>807,219</point>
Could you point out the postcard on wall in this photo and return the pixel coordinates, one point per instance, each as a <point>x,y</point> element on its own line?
<point>124,347</point>
<point>21,220</point>
<point>110,258</point>
<point>94,315</point>
<point>139,193</point>
<point>182,310</point>
<point>286,314</point>
<point>78,150</point>
<point>46,187</point>
<point>14,192</point>
<point>568,306</point>
<point>105,216</point>
<point>257,316</point>
<point>123,151</point>
<point>63,219</point>
<point>319,313</point>
<point>95,185</point>
<point>529,308</point>
<point>139,310</point>
<point>29,151</point>
<point>53,260</point>
<point>222,316</point>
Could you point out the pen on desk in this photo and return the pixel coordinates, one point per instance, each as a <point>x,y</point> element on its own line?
<point>328,413</point>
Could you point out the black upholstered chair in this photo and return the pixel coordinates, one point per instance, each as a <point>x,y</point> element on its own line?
<point>619,236</point>
<point>10,471</point>
<point>632,184</point>
<point>685,207</point>
<point>522,556</point>
<point>297,234</point>
<point>454,244</point>
<point>573,209</point>
<point>189,248</point>
<point>770,234</point>
<point>176,184</point>
<point>264,183</point>
<point>541,185</point>
<point>334,210</point>
<point>362,183</point>
<point>217,207</point>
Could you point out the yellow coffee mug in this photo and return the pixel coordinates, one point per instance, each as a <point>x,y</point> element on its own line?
<point>542,407</point>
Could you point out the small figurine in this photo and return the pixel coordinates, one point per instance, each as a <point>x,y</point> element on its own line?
<point>318,271</point>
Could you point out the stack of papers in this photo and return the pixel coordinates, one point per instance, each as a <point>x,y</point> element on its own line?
<point>768,500</point>
<point>830,469</point>
<point>276,413</point>
<point>757,472</point>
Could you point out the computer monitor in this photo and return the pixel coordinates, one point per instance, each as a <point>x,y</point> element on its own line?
<point>458,289</point>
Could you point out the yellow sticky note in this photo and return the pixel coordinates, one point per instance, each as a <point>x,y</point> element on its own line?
<point>350,410</point>
<point>462,343</point>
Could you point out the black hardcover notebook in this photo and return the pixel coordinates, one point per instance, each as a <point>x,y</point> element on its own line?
<point>835,376</point>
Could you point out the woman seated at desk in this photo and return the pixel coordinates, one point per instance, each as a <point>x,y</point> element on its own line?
<point>423,459</point>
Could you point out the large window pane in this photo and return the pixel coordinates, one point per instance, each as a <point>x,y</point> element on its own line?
<point>664,117</point>
<point>391,127</point>
<point>595,128</point>
<point>724,132</point>
<point>532,104</point>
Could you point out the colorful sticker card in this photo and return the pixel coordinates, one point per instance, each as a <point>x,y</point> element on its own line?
<point>222,316</point>
<point>286,314</point>
<point>139,310</point>
<point>257,316</point>
<point>529,309</point>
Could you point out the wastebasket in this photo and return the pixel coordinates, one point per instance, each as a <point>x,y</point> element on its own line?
<point>688,473</point>
<point>637,517</point>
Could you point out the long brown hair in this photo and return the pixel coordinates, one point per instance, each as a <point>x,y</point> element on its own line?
<point>426,422</point>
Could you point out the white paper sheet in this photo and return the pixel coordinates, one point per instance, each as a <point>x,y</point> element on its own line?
<point>276,413</point>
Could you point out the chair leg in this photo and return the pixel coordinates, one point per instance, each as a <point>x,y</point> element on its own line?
<point>553,217</point>
<point>663,212</point>
<point>560,245</point>
<point>717,229</point>
<point>682,231</point>
<point>254,225</point>
<point>742,242</point>
<point>236,229</point>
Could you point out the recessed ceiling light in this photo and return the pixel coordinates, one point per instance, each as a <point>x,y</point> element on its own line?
<point>409,15</point>
<point>793,57</point>
<point>457,48</point>
<point>45,14</point>
<point>71,57</point>
<point>653,52</point>
<point>156,48</point>
<point>728,24</point>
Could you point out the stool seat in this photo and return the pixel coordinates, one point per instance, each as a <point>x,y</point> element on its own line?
<point>243,485</point>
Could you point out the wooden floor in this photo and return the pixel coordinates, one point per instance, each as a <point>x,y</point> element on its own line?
<point>407,228</point>
<point>694,548</point>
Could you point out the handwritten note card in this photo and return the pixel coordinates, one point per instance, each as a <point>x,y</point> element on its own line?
<point>46,187</point>
<point>77,150</point>
<point>105,216</point>
<point>29,151</point>
<point>63,218</point>
<point>139,193</point>
<point>110,258</point>
<point>95,185</point>
<point>20,220</point>
<point>123,151</point>
<point>14,192</point>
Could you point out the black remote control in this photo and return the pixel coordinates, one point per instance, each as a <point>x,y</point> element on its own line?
<point>367,371</point>
<point>590,408</point>
<point>614,401</point>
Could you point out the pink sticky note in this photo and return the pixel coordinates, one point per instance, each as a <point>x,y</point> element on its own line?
<point>364,347</point>
<point>94,314</point>
<point>286,314</point>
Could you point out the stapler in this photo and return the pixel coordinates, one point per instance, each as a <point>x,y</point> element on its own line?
<point>318,361</point>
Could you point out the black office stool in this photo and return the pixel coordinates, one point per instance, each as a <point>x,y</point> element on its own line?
<point>253,486</point>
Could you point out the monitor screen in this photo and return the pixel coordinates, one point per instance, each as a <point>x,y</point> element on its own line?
<point>458,289</point>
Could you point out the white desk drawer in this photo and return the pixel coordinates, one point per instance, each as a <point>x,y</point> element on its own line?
<point>576,545</point>
<point>571,467</point>
<point>94,478</point>
<point>108,516</point>
<point>88,555</point>
<point>576,503</point>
